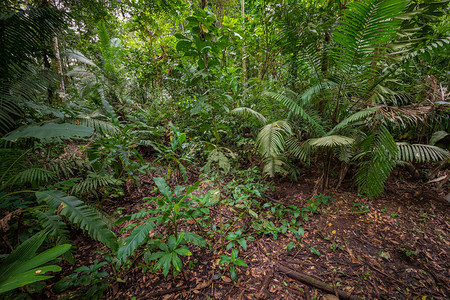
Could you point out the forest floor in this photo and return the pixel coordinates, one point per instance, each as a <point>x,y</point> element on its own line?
<point>395,246</point>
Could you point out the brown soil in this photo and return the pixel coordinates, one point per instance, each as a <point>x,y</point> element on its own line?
<point>396,246</point>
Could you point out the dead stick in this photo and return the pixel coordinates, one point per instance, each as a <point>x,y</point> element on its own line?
<point>314,282</point>
<point>165,292</point>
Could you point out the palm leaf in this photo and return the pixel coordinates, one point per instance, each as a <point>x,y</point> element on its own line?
<point>77,212</point>
<point>421,153</point>
<point>273,164</point>
<point>331,141</point>
<point>380,152</point>
<point>50,130</point>
<point>296,109</point>
<point>362,114</point>
<point>270,139</point>
<point>245,111</point>
<point>365,26</point>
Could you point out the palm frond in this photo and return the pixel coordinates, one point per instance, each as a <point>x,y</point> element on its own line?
<point>362,114</point>
<point>273,164</point>
<point>24,32</point>
<point>365,26</point>
<point>299,149</point>
<point>93,183</point>
<point>421,153</point>
<point>332,141</point>
<point>77,55</point>
<point>296,110</point>
<point>437,136</point>
<point>245,111</point>
<point>78,213</point>
<point>380,152</point>
<point>270,140</point>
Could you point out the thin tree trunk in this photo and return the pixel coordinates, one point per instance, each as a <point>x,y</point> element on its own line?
<point>62,87</point>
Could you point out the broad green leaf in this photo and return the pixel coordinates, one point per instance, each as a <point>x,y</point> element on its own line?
<point>163,187</point>
<point>184,251</point>
<point>176,261</point>
<point>50,130</point>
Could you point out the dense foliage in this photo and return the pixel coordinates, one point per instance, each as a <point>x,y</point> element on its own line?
<point>96,94</point>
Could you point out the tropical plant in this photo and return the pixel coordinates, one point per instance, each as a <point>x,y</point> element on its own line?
<point>22,266</point>
<point>173,207</point>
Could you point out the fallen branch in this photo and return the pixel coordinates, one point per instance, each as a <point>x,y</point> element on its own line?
<point>314,282</point>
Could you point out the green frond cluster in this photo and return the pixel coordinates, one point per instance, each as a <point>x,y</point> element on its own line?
<point>331,141</point>
<point>299,149</point>
<point>270,139</point>
<point>273,164</point>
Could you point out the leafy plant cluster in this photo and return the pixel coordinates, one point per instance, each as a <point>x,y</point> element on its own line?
<point>91,102</point>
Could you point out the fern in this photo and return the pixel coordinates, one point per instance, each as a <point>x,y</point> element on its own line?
<point>77,212</point>
<point>421,153</point>
<point>380,152</point>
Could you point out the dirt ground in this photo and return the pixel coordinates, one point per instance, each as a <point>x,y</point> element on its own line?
<point>395,246</point>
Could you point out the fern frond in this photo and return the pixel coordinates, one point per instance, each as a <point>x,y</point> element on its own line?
<point>245,111</point>
<point>78,213</point>
<point>270,140</point>
<point>381,151</point>
<point>421,153</point>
